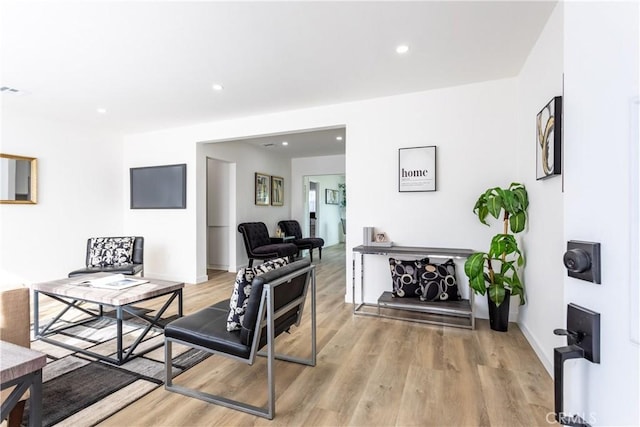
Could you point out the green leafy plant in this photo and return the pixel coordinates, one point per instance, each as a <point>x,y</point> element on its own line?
<point>497,270</point>
<point>343,195</point>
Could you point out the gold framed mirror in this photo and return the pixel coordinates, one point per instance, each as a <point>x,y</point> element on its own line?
<point>18,179</point>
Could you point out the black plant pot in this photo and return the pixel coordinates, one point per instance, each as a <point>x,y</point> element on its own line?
<point>499,316</point>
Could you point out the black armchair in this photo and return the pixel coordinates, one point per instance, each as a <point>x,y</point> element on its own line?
<point>259,245</point>
<point>292,228</point>
<point>113,255</point>
<point>275,304</point>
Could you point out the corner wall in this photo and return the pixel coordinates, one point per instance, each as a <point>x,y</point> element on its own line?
<point>539,81</point>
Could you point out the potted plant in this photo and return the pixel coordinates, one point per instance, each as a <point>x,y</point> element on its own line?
<point>495,273</point>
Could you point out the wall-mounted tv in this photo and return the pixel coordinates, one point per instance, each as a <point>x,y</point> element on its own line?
<point>158,187</point>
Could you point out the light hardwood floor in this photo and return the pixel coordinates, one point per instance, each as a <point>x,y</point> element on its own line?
<point>370,372</point>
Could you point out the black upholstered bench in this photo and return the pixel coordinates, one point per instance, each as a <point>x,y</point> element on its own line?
<point>275,305</point>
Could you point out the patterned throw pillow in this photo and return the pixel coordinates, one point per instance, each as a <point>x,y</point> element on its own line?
<point>242,290</point>
<point>405,275</point>
<point>107,251</point>
<point>438,282</point>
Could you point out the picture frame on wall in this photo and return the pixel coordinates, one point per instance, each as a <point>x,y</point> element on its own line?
<point>263,189</point>
<point>549,140</point>
<point>277,191</point>
<point>417,169</point>
<point>331,197</point>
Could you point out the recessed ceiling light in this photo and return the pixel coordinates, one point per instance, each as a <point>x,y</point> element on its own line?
<point>285,143</point>
<point>403,48</point>
<point>339,138</point>
<point>102,110</point>
<point>217,87</point>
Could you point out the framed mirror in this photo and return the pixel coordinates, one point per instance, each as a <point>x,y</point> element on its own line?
<point>18,179</point>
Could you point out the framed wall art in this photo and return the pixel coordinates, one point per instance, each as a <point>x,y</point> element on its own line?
<point>262,189</point>
<point>277,191</point>
<point>417,169</point>
<point>331,197</point>
<point>549,139</point>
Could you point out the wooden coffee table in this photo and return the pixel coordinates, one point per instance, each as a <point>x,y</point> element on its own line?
<point>76,296</point>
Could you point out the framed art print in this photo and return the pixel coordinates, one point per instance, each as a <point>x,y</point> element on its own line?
<point>331,197</point>
<point>417,169</point>
<point>262,189</point>
<point>277,191</point>
<point>549,139</point>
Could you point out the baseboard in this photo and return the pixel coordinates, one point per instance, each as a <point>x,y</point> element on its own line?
<point>548,364</point>
<point>199,279</point>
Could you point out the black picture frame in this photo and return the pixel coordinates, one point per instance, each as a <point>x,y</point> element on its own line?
<point>417,169</point>
<point>549,140</point>
<point>331,197</point>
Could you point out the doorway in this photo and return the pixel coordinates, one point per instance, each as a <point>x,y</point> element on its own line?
<point>324,207</point>
<point>221,193</point>
<point>314,213</point>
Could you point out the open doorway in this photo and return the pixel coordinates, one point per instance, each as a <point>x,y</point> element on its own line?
<point>314,214</point>
<point>221,242</point>
<point>324,207</point>
<point>290,155</point>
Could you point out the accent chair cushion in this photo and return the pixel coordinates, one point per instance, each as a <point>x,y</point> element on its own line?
<point>405,275</point>
<point>438,282</point>
<point>106,251</point>
<point>242,290</point>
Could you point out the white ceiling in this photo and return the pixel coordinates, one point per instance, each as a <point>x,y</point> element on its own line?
<point>151,65</point>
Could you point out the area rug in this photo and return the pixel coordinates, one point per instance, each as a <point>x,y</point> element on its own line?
<point>80,390</point>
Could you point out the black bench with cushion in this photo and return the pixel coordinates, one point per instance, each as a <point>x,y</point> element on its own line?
<point>292,228</point>
<point>275,304</point>
<point>259,245</point>
<point>123,255</point>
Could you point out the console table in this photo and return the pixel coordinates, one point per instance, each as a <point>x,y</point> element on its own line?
<point>449,313</point>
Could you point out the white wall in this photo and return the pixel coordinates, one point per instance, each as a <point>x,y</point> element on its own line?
<point>169,233</point>
<point>543,242</point>
<point>80,179</point>
<point>473,126</point>
<point>601,82</point>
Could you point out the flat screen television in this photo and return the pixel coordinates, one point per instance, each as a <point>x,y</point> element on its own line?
<point>158,187</point>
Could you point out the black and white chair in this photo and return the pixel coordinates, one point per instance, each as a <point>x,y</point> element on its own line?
<point>275,304</point>
<point>123,255</point>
